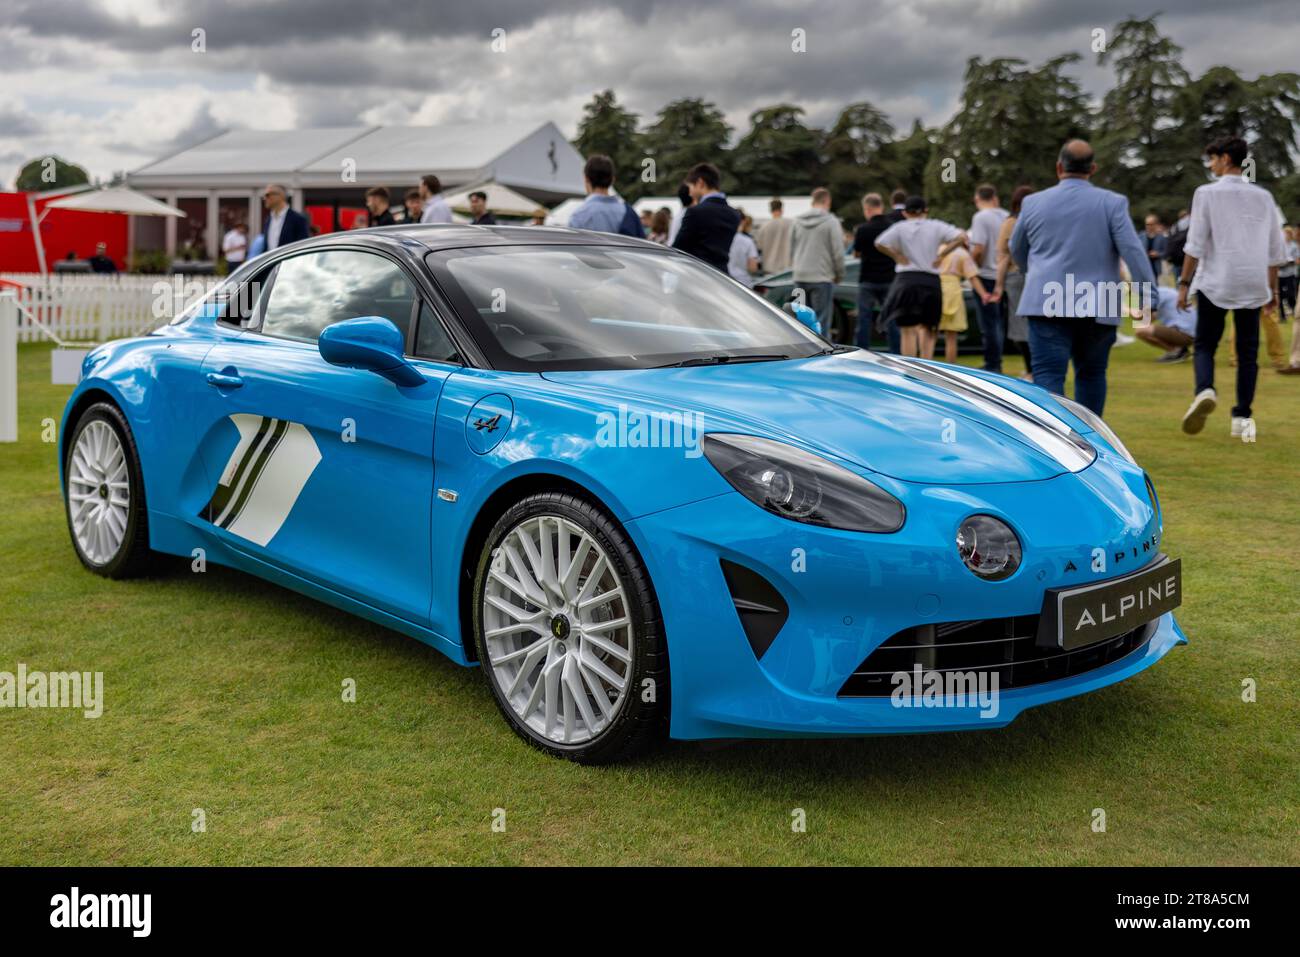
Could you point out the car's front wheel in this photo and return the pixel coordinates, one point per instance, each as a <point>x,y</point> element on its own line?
<point>104,494</point>
<point>569,633</point>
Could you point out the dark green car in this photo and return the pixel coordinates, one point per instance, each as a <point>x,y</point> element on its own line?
<point>778,287</point>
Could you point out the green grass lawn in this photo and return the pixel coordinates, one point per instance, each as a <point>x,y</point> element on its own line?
<point>223,693</point>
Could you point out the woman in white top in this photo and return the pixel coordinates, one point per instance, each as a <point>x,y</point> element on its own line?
<point>742,264</point>
<point>915,302</point>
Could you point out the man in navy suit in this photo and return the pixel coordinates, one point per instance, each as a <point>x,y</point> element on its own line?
<point>1069,241</point>
<point>708,226</point>
<point>282,225</point>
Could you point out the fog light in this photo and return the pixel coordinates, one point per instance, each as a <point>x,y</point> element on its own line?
<point>988,547</point>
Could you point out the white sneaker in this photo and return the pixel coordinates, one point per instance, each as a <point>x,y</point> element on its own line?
<point>1200,410</point>
<point>1243,428</point>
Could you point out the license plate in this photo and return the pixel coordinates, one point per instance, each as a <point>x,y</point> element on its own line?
<point>1075,617</point>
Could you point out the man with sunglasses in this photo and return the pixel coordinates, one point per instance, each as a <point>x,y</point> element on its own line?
<point>283,225</point>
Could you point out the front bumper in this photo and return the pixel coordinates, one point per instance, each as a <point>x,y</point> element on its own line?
<point>848,592</point>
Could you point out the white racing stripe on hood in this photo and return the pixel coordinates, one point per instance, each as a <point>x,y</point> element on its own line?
<point>1036,426</point>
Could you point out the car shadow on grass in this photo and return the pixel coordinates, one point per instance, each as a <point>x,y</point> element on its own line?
<point>1112,727</point>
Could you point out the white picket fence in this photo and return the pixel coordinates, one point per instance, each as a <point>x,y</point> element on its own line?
<point>79,308</point>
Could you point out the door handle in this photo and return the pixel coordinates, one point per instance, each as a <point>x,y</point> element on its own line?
<point>224,381</point>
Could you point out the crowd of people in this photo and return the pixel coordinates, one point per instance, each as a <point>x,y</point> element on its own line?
<point>1042,272</point>
<point>1053,275</point>
<point>282,224</point>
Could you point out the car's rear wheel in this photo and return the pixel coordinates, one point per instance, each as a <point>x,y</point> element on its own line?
<point>104,494</point>
<point>569,633</point>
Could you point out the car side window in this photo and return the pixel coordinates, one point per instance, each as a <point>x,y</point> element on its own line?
<point>318,289</point>
<point>237,302</point>
<point>432,341</point>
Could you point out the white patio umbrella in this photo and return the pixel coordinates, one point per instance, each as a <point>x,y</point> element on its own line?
<point>501,201</point>
<point>559,216</point>
<point>115,199</point>
<point>109,199</point>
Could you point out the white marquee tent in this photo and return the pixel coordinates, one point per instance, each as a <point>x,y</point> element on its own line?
<point>335,165</point>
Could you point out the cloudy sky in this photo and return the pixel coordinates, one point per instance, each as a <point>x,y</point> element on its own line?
<point>115,83</point>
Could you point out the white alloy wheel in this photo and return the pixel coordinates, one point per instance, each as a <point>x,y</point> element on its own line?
<point>557,630</point>
<point>99,492</point>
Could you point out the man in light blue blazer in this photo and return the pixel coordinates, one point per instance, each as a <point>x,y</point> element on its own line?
<point>1069,241</point>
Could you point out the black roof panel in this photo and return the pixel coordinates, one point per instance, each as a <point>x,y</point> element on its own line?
<point>440,236</point>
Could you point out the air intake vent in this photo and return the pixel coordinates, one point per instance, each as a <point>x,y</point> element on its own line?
<point>1005,646</point>
<point>762,610</point>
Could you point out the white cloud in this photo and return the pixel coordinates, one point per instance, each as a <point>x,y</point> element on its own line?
<point>113,84</point>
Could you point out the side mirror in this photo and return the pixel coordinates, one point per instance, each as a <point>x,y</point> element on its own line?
<point>807,315</point>
<point>372,343</point>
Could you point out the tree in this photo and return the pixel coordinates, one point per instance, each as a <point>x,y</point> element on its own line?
<point>1143,149</point>
<point>686,132</point>
<point>902,163</point>
<point>856,162</point>
<point>1263,112</point>
<point>608,128</point>
<point>778,154</point>
<point>1007,131</point>
<point>49,172</point>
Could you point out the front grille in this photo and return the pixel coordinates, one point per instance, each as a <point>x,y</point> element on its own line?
<point>1005,646</point>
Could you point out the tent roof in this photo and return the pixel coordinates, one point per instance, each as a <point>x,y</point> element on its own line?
<point>267,152</point>
<point>529,157</point>
<point>500,199</point>
<point>402,149</point>
<point>114,199</point>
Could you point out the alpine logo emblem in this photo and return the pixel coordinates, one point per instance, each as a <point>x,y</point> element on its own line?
<point>263,477</point>
<point>1142,549</point>
<point>491,425</point>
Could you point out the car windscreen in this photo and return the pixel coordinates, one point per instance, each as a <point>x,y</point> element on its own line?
<point>554,307</point>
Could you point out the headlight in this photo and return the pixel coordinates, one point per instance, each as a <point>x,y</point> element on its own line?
<point>801,486</point>
<point>1093,421</point>
<point>988,547</point>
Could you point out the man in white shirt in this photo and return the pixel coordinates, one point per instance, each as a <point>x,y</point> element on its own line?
<point>1233,251</point>
<point>436,209</point>
<point>234,246</point>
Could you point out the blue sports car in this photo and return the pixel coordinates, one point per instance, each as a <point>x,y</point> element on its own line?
<point>645,500</point>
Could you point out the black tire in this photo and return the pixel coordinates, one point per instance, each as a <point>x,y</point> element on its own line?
<point>639,724</point>
<point>133,557</point>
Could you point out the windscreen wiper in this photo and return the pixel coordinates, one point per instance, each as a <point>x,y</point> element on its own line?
<point>721,360</point>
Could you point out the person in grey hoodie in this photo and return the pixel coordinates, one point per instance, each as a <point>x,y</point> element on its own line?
<point>817,246</point>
